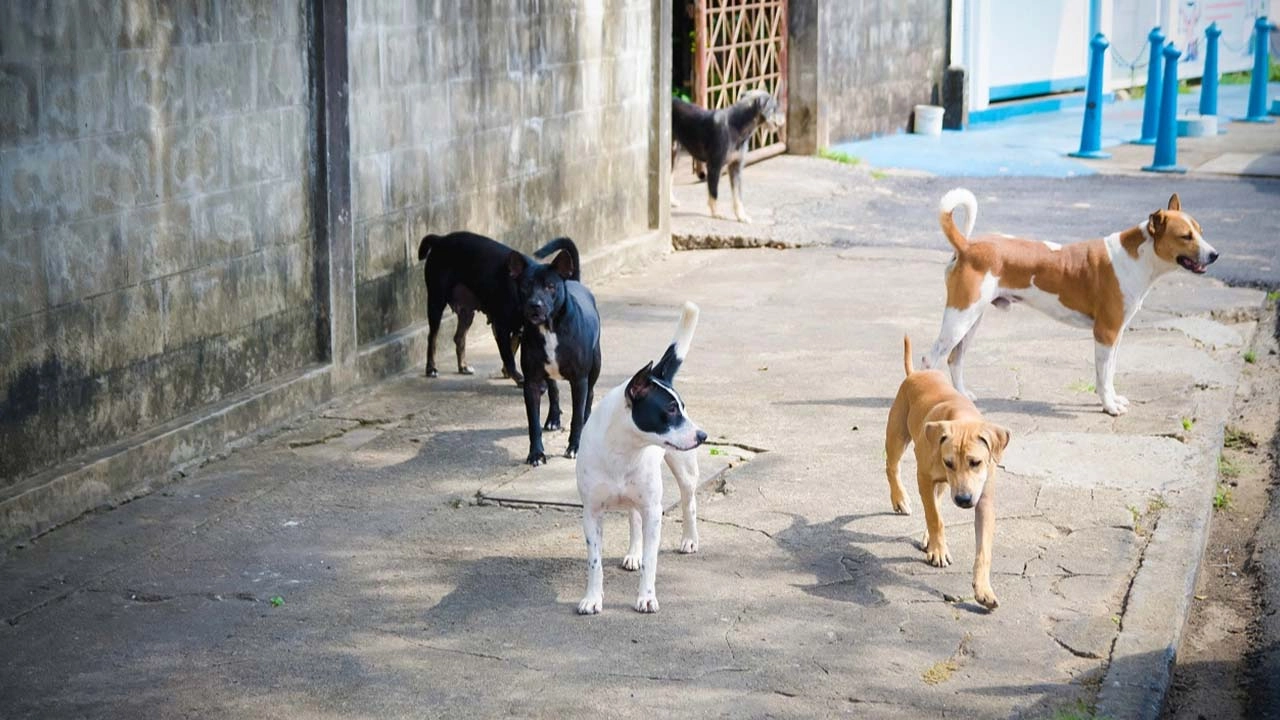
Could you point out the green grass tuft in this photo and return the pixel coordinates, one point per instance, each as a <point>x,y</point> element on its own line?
<point>1250,357</point>
<point>840,157</point>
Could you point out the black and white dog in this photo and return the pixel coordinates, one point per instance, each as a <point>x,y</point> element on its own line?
<point>560,340</point>
<point>468,272</point>
<point>720,138</point>
<point>638,425</point>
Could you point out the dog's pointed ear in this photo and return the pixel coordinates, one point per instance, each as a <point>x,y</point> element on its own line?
<point>563,263</point>
<point>1156,223</point>
<point>667,365</point>
<point>516,263</point>
<point>640,383</point>
<point>997,439</point>
<point>1175,203</point>
<point>936,432</point>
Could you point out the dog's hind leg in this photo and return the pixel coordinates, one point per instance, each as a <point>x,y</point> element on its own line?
<point>593,531</point>
<point>684,466</point>
<point>713,187</point>
<point>553,409</point>
<point>635,542</point>
<point>508,342</point>
<point>435,311</point>
<point>897,436</point>
<point>578,396</point>
<point>466,316</point>
<point>651,525</point>
<point>735,187</point>
<point>955,361</point>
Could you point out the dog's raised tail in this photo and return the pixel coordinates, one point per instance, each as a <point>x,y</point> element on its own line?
<point>906,355</point>
<point>673,358</point>
<point>958,198</point>
<point>567,245</point>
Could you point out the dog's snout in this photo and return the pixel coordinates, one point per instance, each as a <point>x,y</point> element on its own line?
<point>964,500</point>
<point>701,436</point>
<point>1213,255</point>
<point>535,303</point>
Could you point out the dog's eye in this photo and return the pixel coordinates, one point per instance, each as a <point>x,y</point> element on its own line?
<point>973,463</point>
<point>673,409</point>
<point>950,465</point>
<point>551,286</point>
<point>1188,237</point>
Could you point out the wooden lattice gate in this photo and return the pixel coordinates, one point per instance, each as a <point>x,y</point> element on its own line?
<point>741,45</point>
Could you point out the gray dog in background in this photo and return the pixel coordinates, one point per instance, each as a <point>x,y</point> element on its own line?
<point>719,138</point>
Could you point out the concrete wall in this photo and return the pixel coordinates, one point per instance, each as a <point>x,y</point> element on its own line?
<point>518,120</point>
<point>155,232</point>
<point>857,68</point>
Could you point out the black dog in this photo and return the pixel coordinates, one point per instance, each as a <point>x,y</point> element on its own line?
<point>720,138</point>
<point>560,340</point>
<point>468,272</point>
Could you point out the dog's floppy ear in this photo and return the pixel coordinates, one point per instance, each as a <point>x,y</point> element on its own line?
<point>937,431</point>
<point>997,439</point>
<point>516,263</point>
<point>1155,224</point>
<point>1175,203</point>
<point>563,263</point>
<point>640,383</point>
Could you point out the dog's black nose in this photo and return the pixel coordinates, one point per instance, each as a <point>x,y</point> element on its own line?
<point>1213,256</point>
<point>702,437</point>
<point>964,500</point>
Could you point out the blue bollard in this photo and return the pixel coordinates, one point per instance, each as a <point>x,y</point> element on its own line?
<point>1166,158</point>
<point>1261,66</point>
<point>1151,104</point>
<point>1209,83</point>
<point>1091,133</point>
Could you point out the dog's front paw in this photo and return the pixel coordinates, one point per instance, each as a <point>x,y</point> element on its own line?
<point>536,458</point>
<point>744,218</point>
<point>631,562</point>
<point>688,545</point>
<point>590,605</point>
<point>1114,408</point>
<point>466,370</point>
<point>1122,401</point>
<point>432,372</point>
<point>986,597</point>
<point>571,453</point>
<point>901,505</point>
<point>552,423</point>
<point>937,555</point>
<point>647,603</point>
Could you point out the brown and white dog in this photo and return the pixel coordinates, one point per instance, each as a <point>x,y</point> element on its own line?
<point>1097,284</point>
<point>956,449</point>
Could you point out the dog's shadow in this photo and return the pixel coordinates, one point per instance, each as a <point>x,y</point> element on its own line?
<point>493,589</point>
<point>819,546</point>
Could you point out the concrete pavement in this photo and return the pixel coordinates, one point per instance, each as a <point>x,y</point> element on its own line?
<point>419,570</point>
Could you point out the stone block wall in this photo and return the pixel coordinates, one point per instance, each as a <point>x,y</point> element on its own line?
<point>523,120</point>
<point>858,68</point>
<point>155,215</point>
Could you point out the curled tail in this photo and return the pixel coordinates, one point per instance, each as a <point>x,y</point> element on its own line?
<point>679,348</point>
<point>424,247</point>
<point>565,244</point>
<point>958,198</point>
<point>906,355</point>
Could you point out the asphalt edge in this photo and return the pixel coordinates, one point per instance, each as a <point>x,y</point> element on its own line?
<point>1140,669</point>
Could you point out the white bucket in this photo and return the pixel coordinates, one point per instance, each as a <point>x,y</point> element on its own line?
<point>1198,126</point>
<point>928,120</point>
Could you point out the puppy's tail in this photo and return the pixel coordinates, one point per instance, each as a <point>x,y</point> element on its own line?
<point>565,244</point>
<point>673,358</point>
<point>424,247</point>
<point>906,355</point>
<point>946,209</point>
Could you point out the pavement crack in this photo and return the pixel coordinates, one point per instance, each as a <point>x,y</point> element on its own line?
<point>678,678</point>
<point>1078,653</point>
<point>728,523</point>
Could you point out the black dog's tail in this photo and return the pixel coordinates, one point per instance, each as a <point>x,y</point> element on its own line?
<point>424,247</point>
<point>561,243</point>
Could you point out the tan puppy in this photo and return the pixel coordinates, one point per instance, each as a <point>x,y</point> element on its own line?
<point>1096,284</point>
<point>955,448</point>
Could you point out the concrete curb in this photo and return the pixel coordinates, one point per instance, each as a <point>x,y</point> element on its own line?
<point>1161,594</point>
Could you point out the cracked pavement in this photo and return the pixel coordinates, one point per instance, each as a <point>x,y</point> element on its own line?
<point>403,592</point>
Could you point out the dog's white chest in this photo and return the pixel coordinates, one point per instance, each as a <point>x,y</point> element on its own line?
<point>549,343</point>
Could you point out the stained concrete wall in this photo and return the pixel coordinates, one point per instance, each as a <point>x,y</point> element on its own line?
<point>155,232</point>
<point>518,120</point>
<point>857,68</point>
